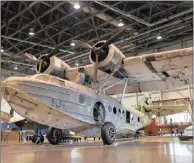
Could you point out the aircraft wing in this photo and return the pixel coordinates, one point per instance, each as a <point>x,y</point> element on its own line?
<point>160,71</point>
<point>165,110</point>
<point>148,72</point>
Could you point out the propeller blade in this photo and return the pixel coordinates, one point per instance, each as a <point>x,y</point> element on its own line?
<point>110,40</point>
<point>96,71</point>
<point>82,44</point>
<point>40,65</point>
<point>30,56</point>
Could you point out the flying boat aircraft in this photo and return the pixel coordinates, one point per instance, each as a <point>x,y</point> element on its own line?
<point>49,98</point>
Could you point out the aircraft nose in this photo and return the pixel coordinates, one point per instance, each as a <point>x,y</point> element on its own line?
<point>11,82</point>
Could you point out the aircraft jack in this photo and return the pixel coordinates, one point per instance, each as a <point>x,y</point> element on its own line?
<point>37,137</point>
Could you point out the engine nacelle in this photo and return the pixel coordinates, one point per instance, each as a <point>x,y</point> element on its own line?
<point>52,66</point>
<point>107,61</point>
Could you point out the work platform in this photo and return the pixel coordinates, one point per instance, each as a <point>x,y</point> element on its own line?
<point>146,150</point>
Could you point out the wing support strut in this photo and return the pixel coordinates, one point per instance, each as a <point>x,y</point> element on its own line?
<point>101,87</point>
<point>124,88</point>
<point>112,85</point>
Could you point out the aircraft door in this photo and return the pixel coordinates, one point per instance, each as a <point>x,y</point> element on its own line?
<point>99,113</point>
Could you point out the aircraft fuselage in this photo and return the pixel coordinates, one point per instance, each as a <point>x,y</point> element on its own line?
<point>63,104</point>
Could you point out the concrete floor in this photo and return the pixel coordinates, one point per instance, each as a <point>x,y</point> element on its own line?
<point>144,150</point>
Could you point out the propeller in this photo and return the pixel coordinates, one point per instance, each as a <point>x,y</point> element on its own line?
<point>98,50</point>
<point>30,56</point>
<point>82,44</point>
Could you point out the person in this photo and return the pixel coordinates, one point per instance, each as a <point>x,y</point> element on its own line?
<point>137,134</point>
<point>83,78</point>
<point>80,77</point>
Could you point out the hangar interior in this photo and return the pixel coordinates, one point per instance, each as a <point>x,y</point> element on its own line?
<point>142,27</point>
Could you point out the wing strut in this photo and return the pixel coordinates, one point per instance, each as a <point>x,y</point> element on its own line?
<point>126,81</point>
<point>101,87</point>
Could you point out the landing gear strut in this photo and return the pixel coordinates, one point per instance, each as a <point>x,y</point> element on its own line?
<point>54,135</point>
<point>108,133</point>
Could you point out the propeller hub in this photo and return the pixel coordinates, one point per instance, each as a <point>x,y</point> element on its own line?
<point>102,52</point>
<point>44,62</point>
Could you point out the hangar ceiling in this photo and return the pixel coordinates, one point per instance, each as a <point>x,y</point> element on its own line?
<point>58,23</point>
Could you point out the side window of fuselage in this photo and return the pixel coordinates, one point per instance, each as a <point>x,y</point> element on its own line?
<point>128,116</point>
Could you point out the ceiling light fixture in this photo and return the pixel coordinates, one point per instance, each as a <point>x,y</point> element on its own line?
<point>72,44</point>
<point>120,24</point>
<point>31,33</point>
<point>2,50</point>
<point>77,64</point>
<point>76,6</point>
<point>16,67</point>
<point>159,37</point>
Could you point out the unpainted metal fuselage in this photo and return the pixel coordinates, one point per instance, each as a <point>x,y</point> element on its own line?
<point>63,104</point>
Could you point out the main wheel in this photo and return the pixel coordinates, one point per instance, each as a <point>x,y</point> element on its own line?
<point>54,135</point>
<point>42,139</point>
<point>108,133</point>
<point>33,139</point>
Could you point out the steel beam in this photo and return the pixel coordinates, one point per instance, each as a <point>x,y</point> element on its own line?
<point>36,44</point>
<point>21,12</point>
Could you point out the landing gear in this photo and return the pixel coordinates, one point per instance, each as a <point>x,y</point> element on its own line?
<point>37,138</point>
<point>54,135</point>
<point>108,133</point>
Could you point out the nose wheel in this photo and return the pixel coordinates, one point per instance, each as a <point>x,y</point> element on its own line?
<point>108,133</point>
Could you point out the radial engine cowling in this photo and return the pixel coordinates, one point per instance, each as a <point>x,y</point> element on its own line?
<point>111,58</point>
<point>52,66</point>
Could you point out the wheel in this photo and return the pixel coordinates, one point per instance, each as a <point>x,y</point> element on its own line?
<point>108,133</point>
<point>33,139</point>
<point>42,139</point>
<point>85,138</point>
<point>99,138</point>
<point>38,140</point>
<point>94,139</point>
<point>54,135</point>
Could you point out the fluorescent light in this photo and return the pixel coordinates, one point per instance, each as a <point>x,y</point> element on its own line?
<point>31,33</point>
<point>120,24</point>
<point>2,50</point>
<point>72,44</point>
<point>76,6</point>
<point>159,37</point>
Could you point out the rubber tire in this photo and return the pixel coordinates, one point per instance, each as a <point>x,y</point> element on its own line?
<point>33,139</point>
<point>49,136</point>
<point>105,133</point>
<point>42,139</point>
